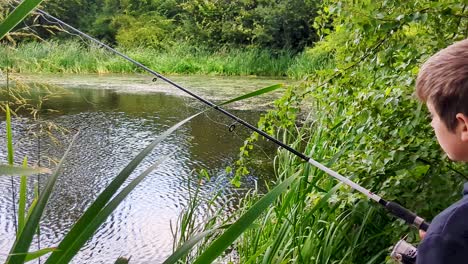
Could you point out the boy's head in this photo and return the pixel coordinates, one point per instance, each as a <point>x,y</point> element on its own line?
<point>443,85</point>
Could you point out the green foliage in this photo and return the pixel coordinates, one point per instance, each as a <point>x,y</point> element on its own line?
<point>99,210</point>
<point>79,13</point>
<point>243,223</point>
<point>9,170</point>
<point>183,58</point>
<point>122,260</point>
<point>267,24</point>
<point>25,237</point>
<point>189,229</point>
<point>364,105</point>
<point>150,30</point>
<point>371,100</point>
<point>273,25</point>
<point>93,217</point>
<point>358,113</point>
<point>310,61</point>
<point>17,16</point>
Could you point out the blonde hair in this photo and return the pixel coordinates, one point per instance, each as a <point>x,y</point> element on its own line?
<point>443,82</point>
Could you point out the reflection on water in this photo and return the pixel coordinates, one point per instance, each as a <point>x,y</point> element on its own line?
<point>214,88</point>
<point>113,128</point>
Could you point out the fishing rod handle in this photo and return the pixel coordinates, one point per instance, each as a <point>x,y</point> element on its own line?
<point>405,214</point>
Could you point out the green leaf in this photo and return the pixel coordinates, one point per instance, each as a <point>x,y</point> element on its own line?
<point>36,254</point>
<point>17,16</point>
<point>101,217</point>
<point>23,242</point>
<point>22,199</point>
<point>235,230</point>
<point>93,218</point>
<point>90,215</point>
<point>34,201</point>
<point>9,170</point>
<point>187,246</point>
<point>9,136</point>
<point>253,94</point>
<point>122,260</point>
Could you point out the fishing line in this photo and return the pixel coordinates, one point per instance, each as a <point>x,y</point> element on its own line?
<point>63,29</point>
<point>394,208</point>
<point>234,132</point>
<point>231,127</point>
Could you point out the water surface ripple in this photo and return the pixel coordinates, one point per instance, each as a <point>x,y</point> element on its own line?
<point>113,127</point>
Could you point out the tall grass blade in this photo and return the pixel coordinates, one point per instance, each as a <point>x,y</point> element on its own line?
<point>36,254</point>
<point>122,260</point>
<point>92,212</point>
<point>253,94</point>
<point>90,221</point>
<point>9,136</point>
<point>22,199</point>
<point>9,170</point>
<point>34,201</point>
<point>91,228</point>
<point>187,246</point>
<point>23,242</point>
<point>236,229</point>
<point>17,16</point>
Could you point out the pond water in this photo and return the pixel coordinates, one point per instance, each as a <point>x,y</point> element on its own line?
<point>117,116</point>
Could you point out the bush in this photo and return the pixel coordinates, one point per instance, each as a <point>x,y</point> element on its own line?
<point>362,120</point>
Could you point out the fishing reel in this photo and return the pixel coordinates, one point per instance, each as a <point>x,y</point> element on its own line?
<point>404,253</point>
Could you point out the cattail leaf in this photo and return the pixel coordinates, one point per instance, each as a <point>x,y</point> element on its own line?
<point>23,241</point>
<point>17,16</point>
<point>9,136</point>
<point>36,254</point>
<point>187,246</point>
<point>253,94</point>
<point>22,199</point>
<point>233,231</point>
<point>101,217</point>
<point>236,229</point>
<point>122,260</point>
<point>70,241</point>
<point>9,170</point>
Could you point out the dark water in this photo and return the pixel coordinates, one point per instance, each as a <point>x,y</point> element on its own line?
<point>114,127</point>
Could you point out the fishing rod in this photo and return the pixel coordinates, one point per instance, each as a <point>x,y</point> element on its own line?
<point>393,207</point>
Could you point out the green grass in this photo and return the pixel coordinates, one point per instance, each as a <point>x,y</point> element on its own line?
<point>306,224</point>
<point>20,12</point>
<point>98,211</point>
<point>77,57</point>
<point>302,222</point>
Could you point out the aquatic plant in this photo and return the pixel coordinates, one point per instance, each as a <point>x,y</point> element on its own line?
<point>18,15</point>
<point>76,57</point>
<point>96,214</point>
<point>357,114</point>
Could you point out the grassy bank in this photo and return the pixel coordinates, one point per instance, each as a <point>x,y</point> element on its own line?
<point>76,57</point>
<point>365,124</point>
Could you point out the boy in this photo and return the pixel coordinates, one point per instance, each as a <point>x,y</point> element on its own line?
<point>442,84</point>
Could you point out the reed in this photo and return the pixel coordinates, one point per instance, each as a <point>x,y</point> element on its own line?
<point>98,211</point>
<point>77,57</point>
<point>303,219</point>
<point>307,224</point>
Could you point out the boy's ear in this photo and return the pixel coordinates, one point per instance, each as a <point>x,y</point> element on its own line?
<point>463,126</point>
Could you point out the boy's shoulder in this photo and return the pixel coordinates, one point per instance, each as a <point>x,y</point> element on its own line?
<point>446,240</point>
<point>453,220</point>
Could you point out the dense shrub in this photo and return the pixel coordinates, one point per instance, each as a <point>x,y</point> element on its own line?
<point>362,119</point>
